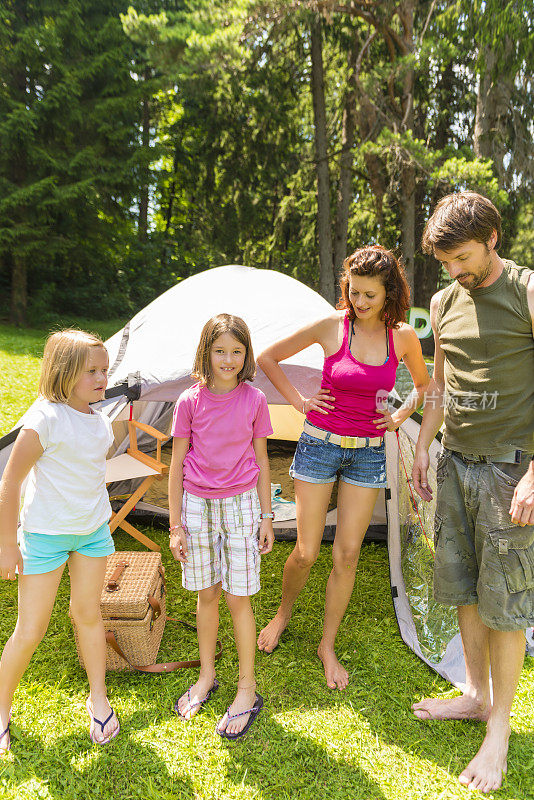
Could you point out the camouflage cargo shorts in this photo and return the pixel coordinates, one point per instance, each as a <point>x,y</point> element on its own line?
<point>481,557</point>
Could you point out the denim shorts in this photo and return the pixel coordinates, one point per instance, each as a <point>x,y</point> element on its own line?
<point>318,461</point>
<point>44,552</point>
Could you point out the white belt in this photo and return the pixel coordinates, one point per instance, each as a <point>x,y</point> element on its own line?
<point>342,441</point>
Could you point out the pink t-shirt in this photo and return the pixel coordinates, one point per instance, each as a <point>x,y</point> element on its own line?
<point>220,428</point>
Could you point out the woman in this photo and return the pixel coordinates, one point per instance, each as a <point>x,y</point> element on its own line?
<point>343,435</point>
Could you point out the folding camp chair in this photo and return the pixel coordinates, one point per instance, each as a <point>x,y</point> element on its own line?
<point>136,464</point>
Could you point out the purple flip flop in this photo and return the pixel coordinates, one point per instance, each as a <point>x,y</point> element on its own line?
<point>198,703</point>
<point>254,711</point>
<point>102,725</point>
<point>4,750</point>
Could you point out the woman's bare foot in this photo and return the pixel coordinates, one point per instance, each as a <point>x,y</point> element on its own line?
<point>462,707</point>
<point>270,635</point>
<point>243,701</point>
<point>485,771</point>
<point>336,675</point>
<point>191,701</point>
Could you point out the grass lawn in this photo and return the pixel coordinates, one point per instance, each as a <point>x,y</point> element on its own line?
<point>309,743</point>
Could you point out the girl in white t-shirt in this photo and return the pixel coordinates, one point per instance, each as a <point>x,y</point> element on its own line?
<point>62,449</point>
<point>220,507</point>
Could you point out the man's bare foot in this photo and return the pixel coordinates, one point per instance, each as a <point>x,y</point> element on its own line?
<point>191,701</point>
<point>485,771</point>
<point>462,707</point>
<point>336,675</point>
<point>243,701</point>
<point>270,635</point>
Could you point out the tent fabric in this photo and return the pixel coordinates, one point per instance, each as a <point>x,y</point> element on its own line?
<point>152,357</point>
<point>427,627</point>
<point>163,337</point>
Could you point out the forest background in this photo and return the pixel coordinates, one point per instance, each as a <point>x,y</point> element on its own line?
<point>140,145</point>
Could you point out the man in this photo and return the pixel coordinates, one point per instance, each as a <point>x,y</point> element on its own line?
<point>483,387</point>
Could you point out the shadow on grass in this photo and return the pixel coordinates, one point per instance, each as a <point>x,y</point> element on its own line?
<point>279,764</point>
<point>72,767</point>
<point>321,759</point>
<point>449,744</point>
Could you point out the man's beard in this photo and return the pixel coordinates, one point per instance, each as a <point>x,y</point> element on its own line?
<point>484,275</point>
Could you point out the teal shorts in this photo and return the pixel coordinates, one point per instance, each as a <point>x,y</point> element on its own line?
<point>43,552</point>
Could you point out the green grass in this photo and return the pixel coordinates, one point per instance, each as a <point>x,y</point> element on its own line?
<point>21,350</point>
<point>309,743</point>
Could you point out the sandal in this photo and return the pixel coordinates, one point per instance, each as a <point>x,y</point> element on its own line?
<point>7,748</point>
<point>102,725</point>
<point>198,703</point>
<point>254,711</point>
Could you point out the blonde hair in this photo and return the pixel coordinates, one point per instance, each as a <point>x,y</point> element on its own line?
<point>64,358</point>
<point>215,327</point>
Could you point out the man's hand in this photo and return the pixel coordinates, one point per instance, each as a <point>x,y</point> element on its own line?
<point>420,474</point>
<point>10,560</point>
<point>522,506</point>
<point>266,536</point>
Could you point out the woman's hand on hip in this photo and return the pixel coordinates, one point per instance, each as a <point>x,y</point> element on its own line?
<point>322,401</point>
<point>386,420</point>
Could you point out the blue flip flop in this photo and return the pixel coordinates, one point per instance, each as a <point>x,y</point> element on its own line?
<point>102,725</point>
<point>4,750</point>
<point>198,703</point>
<point>254,711</point>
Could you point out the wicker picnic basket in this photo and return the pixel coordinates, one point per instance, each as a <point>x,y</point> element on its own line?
<point>133,605</point>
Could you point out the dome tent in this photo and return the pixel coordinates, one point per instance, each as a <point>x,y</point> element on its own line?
<point>150,364</point>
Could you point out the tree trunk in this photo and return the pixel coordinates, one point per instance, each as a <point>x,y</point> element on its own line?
<point>19,291</point>
<point>366,117</point>
<point>377,182</point>
<point>445,96</point>
<point>407,211</point>
<point>344,191</point>
<point>324,232</point>
<point>407,176</point>
<point>142,229</point>
<point>172,188</point>
<point>494,95</point>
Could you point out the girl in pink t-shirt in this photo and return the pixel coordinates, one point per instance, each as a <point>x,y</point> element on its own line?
<point>220,507</point>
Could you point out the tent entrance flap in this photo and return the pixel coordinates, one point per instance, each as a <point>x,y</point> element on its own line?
<point>429,628</point>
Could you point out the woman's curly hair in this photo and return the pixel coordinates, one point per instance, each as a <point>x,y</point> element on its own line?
<point>375,261</point>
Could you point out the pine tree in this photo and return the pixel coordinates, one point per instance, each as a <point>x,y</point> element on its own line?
<point>68,152</point>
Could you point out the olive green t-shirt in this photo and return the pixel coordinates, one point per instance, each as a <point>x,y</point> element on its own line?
<point>486,336</point>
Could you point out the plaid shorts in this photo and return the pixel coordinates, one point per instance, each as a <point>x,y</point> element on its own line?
<point>222,543</point>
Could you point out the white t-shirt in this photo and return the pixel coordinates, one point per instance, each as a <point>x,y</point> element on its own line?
<point>66,490</point>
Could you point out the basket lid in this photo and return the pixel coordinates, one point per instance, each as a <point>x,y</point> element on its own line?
<point>131,577</point>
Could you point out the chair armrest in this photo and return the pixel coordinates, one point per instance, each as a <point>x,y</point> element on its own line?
<point>162,437</point>
<point>157,435</point>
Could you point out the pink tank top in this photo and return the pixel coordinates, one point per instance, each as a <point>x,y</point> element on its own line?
<point>355,387</point>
